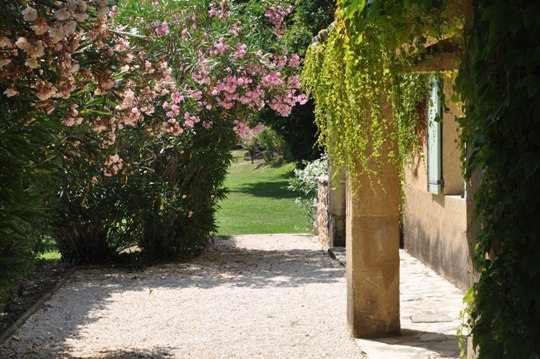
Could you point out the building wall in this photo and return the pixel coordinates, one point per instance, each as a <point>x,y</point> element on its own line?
<point>434,226</point>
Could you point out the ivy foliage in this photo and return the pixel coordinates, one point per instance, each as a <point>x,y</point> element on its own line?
<point>499,78</point>
<point>361,75</point>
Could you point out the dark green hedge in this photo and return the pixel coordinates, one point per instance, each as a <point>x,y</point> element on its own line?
<point>500,83</point>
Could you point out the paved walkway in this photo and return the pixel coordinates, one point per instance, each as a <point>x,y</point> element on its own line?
<point>257,296</point>
<point>430,309</point>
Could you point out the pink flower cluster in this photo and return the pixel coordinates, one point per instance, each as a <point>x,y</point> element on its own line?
<point>113,165</point>
<point>218,76</point>
<point>161,29</point>
<point>221,9</point>
<point>272,79</point>
<point>276,15</point>
<point>245,132</point>
<point>48,45</point>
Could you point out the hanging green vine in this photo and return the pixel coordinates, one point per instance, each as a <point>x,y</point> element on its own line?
<point>500,79</point>
<point>360,68</point>
<point>363,71</point>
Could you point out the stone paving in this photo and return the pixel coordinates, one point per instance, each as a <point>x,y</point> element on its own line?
<point>254,296</point>
<point>430,312</point>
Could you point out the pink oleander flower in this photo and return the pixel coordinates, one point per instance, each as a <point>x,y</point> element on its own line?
<point>70,27</point>
<point>301,99</point>
<point>294,61</point>
<point>272,79</point>
<point>294,82</point>
<point>236,28</point>
<point>175,110</point>
<point>10,92</point>
<point>72,121</point>
<point>112,13</point>
<point>162,29</point>
<point>241,50</point>
<point>5,42</point>
<point>177,97</point>
<point>22,43</point>
<point>113,165</point>
<point>40,27</point>
<point>32,63</point>
<point>29,14</point>
<point>61,14</point>
<point>102,11</point>
<point>220,46</point>
<point>242,129</point>
<point>191,120</point>
<point>196,94</point>
<point>128,99</point>
<point>222,10</point>
<point>45,92</point>
<point>57,33</point>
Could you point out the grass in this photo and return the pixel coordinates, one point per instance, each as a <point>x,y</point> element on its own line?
<point>51,250</point>
<point>259,200</point>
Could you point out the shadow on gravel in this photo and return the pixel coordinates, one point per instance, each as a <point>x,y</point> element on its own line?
<point>103,354</point>
<point>90,292</point>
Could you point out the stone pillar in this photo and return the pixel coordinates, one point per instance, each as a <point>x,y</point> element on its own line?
<point>336,211</point>
<point>372,237</point>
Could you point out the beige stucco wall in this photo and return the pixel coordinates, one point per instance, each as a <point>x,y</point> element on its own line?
<point>435,232</point>
<point>435,226</point>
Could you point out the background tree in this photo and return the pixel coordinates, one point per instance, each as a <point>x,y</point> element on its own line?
<point>299,130</point>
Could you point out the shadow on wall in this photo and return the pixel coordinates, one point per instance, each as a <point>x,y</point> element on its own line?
<point>448,259</point>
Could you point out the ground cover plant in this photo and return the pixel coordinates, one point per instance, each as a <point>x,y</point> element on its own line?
<point>259,200</point>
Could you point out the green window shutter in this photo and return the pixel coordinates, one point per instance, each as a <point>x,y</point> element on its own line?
<point>434,140</point>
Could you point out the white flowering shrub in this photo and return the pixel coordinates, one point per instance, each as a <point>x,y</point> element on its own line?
<point>305,182</point>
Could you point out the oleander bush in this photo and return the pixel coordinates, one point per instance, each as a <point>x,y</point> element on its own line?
<point>132,107</point>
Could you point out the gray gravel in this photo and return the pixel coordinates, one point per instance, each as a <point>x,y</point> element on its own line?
<point>255,296</point>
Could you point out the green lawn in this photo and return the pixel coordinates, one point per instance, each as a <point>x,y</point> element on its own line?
<point>51,250</point>
<point>259,201</point>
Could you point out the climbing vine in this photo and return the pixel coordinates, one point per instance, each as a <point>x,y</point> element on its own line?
<point>499,78</point>
<point>363,66</point>
<point>361,71</point>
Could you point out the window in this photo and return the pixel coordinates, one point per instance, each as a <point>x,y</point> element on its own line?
<point>434,140</point>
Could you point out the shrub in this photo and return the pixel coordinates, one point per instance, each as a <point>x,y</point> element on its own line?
<point>164,133</point>
<point>140,122</point>
<point>271,143</point>
<point>305,181</point>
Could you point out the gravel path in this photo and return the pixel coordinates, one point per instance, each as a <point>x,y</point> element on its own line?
<point>256,296</point>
